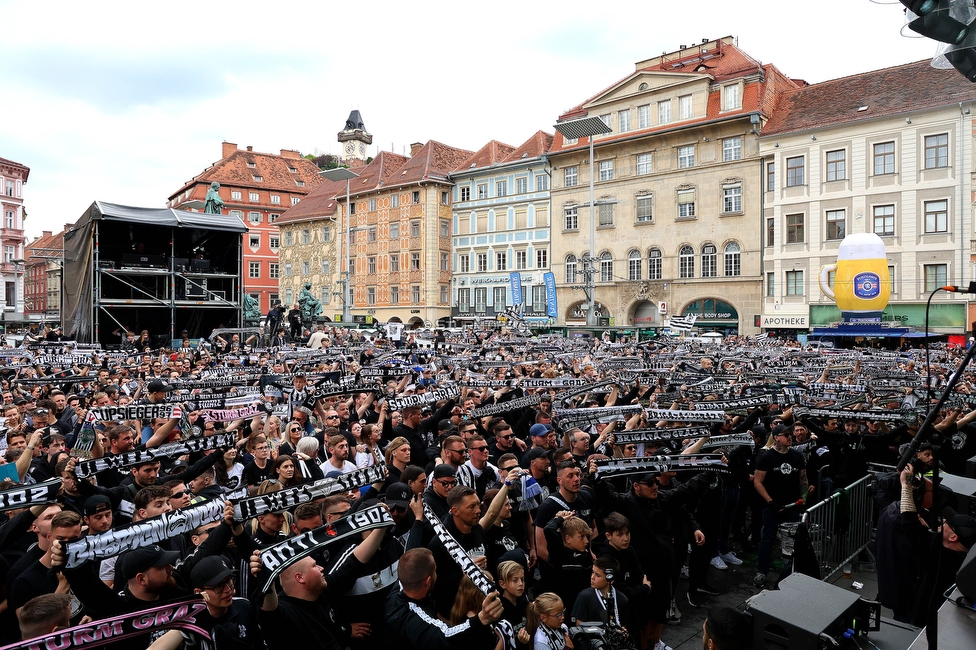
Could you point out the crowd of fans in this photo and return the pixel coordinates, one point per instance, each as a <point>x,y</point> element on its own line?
<point>521,490</point>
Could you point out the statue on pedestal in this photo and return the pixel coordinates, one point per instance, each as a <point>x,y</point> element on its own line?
<point>213,203</point>
<point>310,307</point>
<point>252,310</point>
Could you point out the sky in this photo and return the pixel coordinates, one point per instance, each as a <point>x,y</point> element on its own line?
<point>125,102</point>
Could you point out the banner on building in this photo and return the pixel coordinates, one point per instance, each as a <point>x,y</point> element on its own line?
<point>515,280</point>
<point>550,281</point>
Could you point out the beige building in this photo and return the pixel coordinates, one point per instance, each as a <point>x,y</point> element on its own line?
<point>677,193</point>
<point>852,156</point>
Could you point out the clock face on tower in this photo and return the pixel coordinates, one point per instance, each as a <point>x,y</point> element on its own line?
<point>350,147</point>
<point>362,149</point>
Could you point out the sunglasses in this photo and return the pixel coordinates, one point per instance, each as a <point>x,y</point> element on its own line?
<point>508,437</point>
<point>332,417</point>
<point>630,448</point>
<point>293,430</point>
<point>485,448</point>
<point>447,483</point>
<point>178,495</point>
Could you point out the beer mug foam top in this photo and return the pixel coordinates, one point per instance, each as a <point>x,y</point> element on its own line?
<point>861,283</point>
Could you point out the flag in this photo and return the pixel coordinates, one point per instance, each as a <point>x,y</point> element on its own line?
<point>550,282</point>
<point>515,279</point>
<point>682,323</point>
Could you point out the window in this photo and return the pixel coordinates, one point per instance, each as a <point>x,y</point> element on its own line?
<point>235,195</point>
<point>836,224</point>
<point>295,200</point>
<point>643,116</point>
<point>731,149</point>
<point>794,171</point>
<point>10,218</point>
<point>306,267</point>
<point>371,265</point>
<point>395,201</point>
<point>253,197</point>
<point>254,217</point>
<point>445,228</point>
<point>770,231</point>
<point>521,185</point>
<point>254,241</point>
<point>634,265</point>
<point>606,213</point>
<point>370,295</point>
<point>415,196</point>
<point>372,205</point>
<point>371,233</point>
<point>606,170</point>
<point>571,176</point>
<point>482,262</point>
<point>288,238</point>
<point>482,190</point>
<point>287,269</point>
<point>606,267</point>
<point>770,177</point>
<point>480,299</point>
<point>352,208</point>
<point>501,188</point>
<point>644,211</point>
<point>521,260</point>
<point>884,158</point>
<point>891,284</point>
<point>276,199</point>
<point>394,263</point>
<point>541,258</point>
<point>884,220</point>
<point>571,266</point>
<point>572,220</point>
<point>936,151</point>
<point>936,275</point>
<point>936,216</point>
<point>771,285</point>
<point>415,228</point>
<point>445,262</point>
<point>273,271</point>
<point>708,261</point>
<point>686,262</point>
<point>836,165</point>
<point>288,296</point>
<point>733,259</point>
<point>306,236</point>
<point>395,294</point>
<point>394,231</point>
<point>654,264</point>
<point>623,121</point>
<point>538,298</point>
<point>326,234</point>
<point>465,193</point>
<point>326,267</point>
<point>686,204</point>
<point>415,294</point>
<point>299,184</point>
<point>794,283</point>
<point>686,156</point>
<point>664,112</point>
<point>732,198</point>
<point>644,164</point>
<point>499,298</point>
<point>254,269</point>
<point>464,263</point>
<point>501,261</point>
<point>445,295</point>
<point>445,198</point>
<point>352,236</point>
<point>414,261</point>
<point>541,182</point>
<point>794,229</point>
<point>273,242</point>
<point>730,98</point>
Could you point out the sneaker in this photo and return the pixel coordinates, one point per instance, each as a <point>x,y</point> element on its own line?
<point>684,571</point>
<point>661,645</point>
<point>730,558</point>
<point>759,580</point>
<point>707,590</point>
<point>719,564</point>
<point>694,599</point>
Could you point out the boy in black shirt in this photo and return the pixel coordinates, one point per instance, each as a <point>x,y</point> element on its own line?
<point>568,571</point>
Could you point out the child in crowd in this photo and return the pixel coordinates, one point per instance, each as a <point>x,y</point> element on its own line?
<point>545,617</point>
<point>601,602</point>
<point>630,578</point>
<point>511,582</point>
<point>568,571</point>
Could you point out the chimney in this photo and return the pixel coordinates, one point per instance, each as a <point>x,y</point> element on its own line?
<point>250,148</point>
<point>415,147</point>
<point>46,233</point>
<point>289,153</point>
<point>227,148</point>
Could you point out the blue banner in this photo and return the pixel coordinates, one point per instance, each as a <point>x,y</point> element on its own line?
<point>515,279</point>
<point>550,281</point>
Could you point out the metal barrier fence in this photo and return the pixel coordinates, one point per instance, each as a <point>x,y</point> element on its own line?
<point>840,526</point>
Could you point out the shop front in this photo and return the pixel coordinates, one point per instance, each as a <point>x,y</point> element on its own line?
<point>576,314</point>
<point>944,318</point>
<point>714,316</point>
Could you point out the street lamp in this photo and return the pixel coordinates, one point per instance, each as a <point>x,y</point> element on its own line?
<point>582,128</point>
<point>344,174</point>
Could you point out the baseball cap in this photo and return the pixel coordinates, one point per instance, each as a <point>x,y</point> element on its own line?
<point>781,430</point>
<point>138,560</point>
<point>398,495</point>
<point>962,525</point>
<point>539,429</point>
<point>532,454</point>
<point>158,386</point>
<point>97,503</point>
<point>647,478</point>
<point>444,425</point>
<point>210,571</point>
<point>444,470</point>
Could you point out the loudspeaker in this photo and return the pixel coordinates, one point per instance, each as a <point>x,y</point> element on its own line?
<point>966,578</point>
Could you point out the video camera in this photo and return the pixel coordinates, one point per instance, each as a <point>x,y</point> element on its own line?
<point>589,635</point>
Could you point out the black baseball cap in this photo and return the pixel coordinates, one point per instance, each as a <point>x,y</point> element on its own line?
<point>398,495</point>
<point>210,571</point>
<point>138,560</point>
<point>97,503</point>
<point>158,386</point>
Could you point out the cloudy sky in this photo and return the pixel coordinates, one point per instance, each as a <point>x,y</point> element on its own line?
<point>124,102</point>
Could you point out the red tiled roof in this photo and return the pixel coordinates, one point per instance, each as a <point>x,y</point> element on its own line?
<point>434,161</point>
<point>535,146</point>
<point>492,153</point>
<point>320,202</point>
<point>273,170</point>
<point>889,91</point>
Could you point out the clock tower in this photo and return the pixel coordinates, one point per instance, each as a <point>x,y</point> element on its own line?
<point>354,139</point>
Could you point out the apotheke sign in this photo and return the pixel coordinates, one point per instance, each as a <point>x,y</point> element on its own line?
<point>785,321</point>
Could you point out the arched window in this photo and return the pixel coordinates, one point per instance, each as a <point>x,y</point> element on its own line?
<point>686,262</point>
<point>571,269</point>
<point>634,265</point>
<point>606,267</point>
<point>733,264</point>
<point>654,264</point>
<point>709,263</point>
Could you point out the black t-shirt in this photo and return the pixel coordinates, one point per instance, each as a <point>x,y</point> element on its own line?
<point>448,571</point>
<point>782,481</point>
<point>253,474</point>
<point>583,506</point>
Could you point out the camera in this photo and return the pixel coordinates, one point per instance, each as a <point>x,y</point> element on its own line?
<point>918,466</point>
<point>588,635</point>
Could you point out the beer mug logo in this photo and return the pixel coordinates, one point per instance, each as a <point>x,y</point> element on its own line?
<point>867,285</point>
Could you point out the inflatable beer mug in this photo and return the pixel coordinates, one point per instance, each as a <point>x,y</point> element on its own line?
<point>861,285</point>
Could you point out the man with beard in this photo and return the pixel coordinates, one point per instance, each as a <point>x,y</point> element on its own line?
<point>568,496</point>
